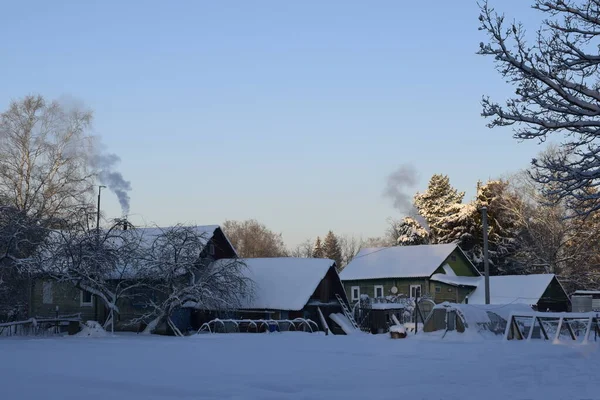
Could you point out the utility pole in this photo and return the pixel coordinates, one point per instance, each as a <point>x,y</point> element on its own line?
<point>98,211</point>
<point>486,260</point>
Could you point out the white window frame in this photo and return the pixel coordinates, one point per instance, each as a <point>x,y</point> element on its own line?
<point>85,304</point>
<point>47,292</point>
<point>414,287</point>
<point>357,288</point>
<point>375,291</point>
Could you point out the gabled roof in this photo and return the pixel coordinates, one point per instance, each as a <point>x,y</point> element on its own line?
<point>285,283</point>
<point>397,262</point>
<point>206,232</point>
<point>513,289</point>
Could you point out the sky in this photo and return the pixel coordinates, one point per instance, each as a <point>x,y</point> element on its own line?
<point>291,113</point>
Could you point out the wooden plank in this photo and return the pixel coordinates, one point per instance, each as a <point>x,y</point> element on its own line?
<point>560,323</point>
<point>542,329</point>
<point>588,330</point>
<point>531,329</point>
<point>570,329</point>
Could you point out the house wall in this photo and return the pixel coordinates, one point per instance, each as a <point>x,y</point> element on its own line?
<point>459,264</point>
<point>456,260</point>
<point>367,286</point>
<point>554,298</point>
<point>66,297</point>
<point>448,293</point>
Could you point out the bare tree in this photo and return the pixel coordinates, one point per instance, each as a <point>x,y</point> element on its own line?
<point>350,246</point>
<point>44,152</point>
<point>556,79</point>
<point>20,235</point>
<point>107,263</point>
<point>252,239</point>
<point>181,279</point>
<point>303,250</point>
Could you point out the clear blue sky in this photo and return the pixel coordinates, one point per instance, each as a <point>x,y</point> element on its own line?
<point>292,113</point>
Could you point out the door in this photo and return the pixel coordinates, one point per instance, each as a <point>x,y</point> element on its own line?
<point>451,320</point>
<point>415,291</point>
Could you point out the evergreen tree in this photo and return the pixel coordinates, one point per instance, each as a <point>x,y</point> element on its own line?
<point>410,232</point>
<point>463,225</point>
<point>435,203</point>
<point>318,251</point>
<point>332,249</point>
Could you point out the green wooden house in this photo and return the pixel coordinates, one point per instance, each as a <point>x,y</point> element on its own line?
<point>411,271</point>
<point>444,273</point>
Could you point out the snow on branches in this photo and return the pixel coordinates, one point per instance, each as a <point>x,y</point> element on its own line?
<point>557,80</point>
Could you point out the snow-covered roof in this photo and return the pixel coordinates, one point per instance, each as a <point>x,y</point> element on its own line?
<point>587,292</point>
<point>387,306</point>
<point>513,289</point>
<point>284,283</point>
<point>397,262</point>
<point>457,280</point>
<point>206,232</point>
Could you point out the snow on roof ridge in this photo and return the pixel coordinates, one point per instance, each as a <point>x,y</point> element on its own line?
<point>397,261</point>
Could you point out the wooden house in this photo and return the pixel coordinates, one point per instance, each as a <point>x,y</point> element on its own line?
<point>442,273</point>
<point>287,288</point>
<point>409,271</point>
<point>49,297</point>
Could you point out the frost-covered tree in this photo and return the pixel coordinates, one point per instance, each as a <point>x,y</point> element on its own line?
<point>107,263</point>
<point>435,203</point>
<point>45,149</point>
<point>463,225</point>
<point>180,278</point>
<point>557,80</point>
<point>20,236</point>
<point>332,249</point>
<point>411,232</point>
<point>318,251</point>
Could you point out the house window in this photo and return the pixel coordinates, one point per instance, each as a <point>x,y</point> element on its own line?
<point>86,298</point>
<point>355,293</point>
<point>47,294</point>
<point>438,289</point>
<point>415,291</point>
<point>378,292</point>
<point>211,249</point>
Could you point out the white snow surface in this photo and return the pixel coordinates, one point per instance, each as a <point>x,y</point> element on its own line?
<point>457,280</point>
<point>344,323</point>
<point>294,366</point>
<point>511,289</point>
<point>397,262</point>
<point>592,292</point>
<point>448,270</point>
<point>387,306</point>
<point>397,329</point>
<point>92,329</point>
<point>284,283</point>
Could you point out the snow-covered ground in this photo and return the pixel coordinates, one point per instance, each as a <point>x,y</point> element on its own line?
<point>293,366</point>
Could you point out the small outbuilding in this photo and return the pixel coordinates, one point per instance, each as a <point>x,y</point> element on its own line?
<point>289,288</point>
<point>468,318</point>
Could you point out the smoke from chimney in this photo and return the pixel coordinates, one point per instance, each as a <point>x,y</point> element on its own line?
<point>400,187</point>
<point>105,164</point>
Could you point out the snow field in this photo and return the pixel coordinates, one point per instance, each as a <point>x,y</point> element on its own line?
<point>294,366</point>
